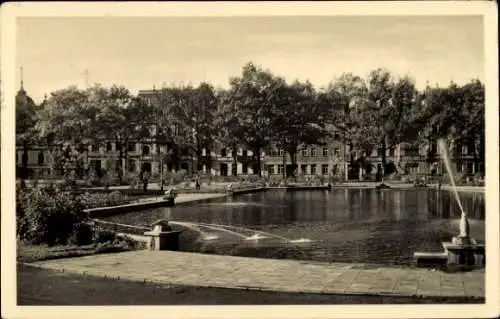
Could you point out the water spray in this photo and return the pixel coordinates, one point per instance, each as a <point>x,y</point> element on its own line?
<point>463,237</point>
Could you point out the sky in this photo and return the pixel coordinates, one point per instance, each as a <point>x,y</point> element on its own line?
<point>140,53</point>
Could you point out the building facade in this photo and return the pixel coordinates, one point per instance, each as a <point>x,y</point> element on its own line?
<point>334,158</point>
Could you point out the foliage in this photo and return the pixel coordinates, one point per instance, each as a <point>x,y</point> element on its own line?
<point>260,110</point>
<point>195,110</point>
<point>300,119</point>
<point>93,200</point>
<point>48,215</point>
<point>248,108</point>
<point>33,253</point>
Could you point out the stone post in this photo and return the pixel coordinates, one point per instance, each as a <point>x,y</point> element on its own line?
<point>162,237</point>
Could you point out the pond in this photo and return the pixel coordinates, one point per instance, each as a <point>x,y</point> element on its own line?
<point>342,225</point>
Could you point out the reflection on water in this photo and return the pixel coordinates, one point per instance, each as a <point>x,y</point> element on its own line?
<point>346,225</point>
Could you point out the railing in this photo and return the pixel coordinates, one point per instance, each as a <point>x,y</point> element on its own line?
<point>99,225</point>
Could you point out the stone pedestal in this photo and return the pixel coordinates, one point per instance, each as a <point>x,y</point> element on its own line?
<point>466,253</point>
<point>163,240</point>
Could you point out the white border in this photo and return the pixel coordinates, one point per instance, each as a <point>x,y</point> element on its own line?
<point>9,13</point>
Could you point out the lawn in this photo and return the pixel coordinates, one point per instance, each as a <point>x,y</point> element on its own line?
<point>32,253</point>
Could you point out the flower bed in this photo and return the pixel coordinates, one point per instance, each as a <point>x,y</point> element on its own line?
<point>94,200</point>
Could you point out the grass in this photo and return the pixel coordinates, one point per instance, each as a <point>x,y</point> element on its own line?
<point>48,287</point>
<point>33,253</point>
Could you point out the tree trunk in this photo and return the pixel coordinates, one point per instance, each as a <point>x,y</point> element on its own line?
<point>256,152</point>
<point>480,155</point>
<point>234,169</point>
<point>284,164</point>
<point>199,152</point>
<point>160,159</point>
<point>292,151</point>
<point>209,161</point>
<point>24,160</point>
<point>125,157</point>
<point>384,158</point>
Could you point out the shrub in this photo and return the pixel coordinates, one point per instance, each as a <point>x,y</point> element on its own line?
<point>103,236</point>
<point>253,178</point>
<point>322,179</point>
<point>82,235</point>
<point>171,178</point>
<point>93,200</point>
<point>48,216</point>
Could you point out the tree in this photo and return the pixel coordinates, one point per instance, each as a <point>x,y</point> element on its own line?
<point>253,97</point>
<point>229,130</point>
<point>299,118</point>
<point>26,117</point>
<point>194,109</point>
<point>346,96</point>
<point>66,124</point>
<point>456,114</point>
<point>122,118</point>
<point>471,126</point>
<point>385,119</point>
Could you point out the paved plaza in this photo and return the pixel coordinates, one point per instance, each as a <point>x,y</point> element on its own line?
<point>181,268</point>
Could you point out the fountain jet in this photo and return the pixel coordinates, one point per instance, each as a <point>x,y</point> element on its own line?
<point>256,232</point>
<point>196,227</point>
<point>463,238</point>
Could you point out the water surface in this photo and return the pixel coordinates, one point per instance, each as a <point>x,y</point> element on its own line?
<point>344,225</point>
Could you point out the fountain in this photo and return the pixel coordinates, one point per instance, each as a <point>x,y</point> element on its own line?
<point>255,235</point>
<point>463,238</point>
<point>196,228</point>
<point>463,250</point>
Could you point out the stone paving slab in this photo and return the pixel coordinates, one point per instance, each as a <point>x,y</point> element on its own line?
<point>181,268</point>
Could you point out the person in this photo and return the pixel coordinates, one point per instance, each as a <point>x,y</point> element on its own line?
<point>197,182</point>
<point>145,181</point>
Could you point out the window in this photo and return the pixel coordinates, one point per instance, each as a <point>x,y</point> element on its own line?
<point>336,151</point>
<point>17,158</point>
<point>280,169</point>
<point>305,152</point>
<point>324,169</point>
<point>464,150</point>
<point>313,152</point>
<point>109,146</point>
<point>313,169</point>
<point>336,135</point>
<point>280,152</point>
<point>41,158</point>
<point>244,168</point>
<point>145,150</point>
<point>245,153</point>
<point>391,151</point>
<point>131,147</point>
<point>223,152</point>
<point>95,148</point>
<point>325,152</point>
<point>270,169</point>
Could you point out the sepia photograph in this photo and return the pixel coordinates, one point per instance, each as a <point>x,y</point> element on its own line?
<point>250,157</point>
